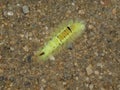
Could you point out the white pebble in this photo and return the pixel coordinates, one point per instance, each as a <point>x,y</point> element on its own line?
<point>52,58</point>
<point>76,78</point>
<point>73,4</point>
<point>10,13</point>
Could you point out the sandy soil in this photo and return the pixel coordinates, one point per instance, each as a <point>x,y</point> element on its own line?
<point>91,63</point>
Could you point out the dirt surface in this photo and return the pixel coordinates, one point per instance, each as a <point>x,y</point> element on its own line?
<point>91,63</point>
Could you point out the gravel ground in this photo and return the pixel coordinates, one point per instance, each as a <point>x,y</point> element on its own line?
<point>92,62</point>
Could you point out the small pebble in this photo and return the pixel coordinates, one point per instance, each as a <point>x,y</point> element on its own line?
<point>1,71</point>
<point>100,65</point>
<point>18,4</point>
<point>76,78</point>
<point>87,79</point>
<point>101,2</point>
<point>29,58</point>
<point>77,88</point>
<point>46,27</point>
<point>10,13</point>
<point>2,78</point>
<point>41,88</point>
<point>89,69</point>
<point>91,86</point>
<point>90,27</point>
<point>27,84</point>
<point>70,46</point>
<point>100,77</point>
<point>102,88</point>
<point>92,34</point>
<point>1,37</point>
<point>0,57</point>
<point>76,64</point>
<point>64,83</point>
<point>43,80</point>
<point>12,49</point>
<point>21,35</point>
<point>73,4</point>
<point>114,11</point>
<point>96,72</point>
<point>96,54</point>
<point>26,48</point>
<point>12,79</point>
<point>86,84</point>
<point>52,58</point>
<point>106,2</point>
<point>25,9</point>
<point>81,12</point>
<point>8,88</point>
<point>110,73</point>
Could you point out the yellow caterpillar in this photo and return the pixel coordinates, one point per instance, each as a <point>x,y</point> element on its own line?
<point>67,33</point>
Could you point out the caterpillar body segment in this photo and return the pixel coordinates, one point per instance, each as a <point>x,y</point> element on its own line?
<point>67,33</point>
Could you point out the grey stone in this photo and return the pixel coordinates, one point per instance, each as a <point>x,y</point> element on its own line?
<point>25,9</point>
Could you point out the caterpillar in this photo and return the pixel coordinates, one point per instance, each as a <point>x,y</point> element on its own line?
<point>67,33</point>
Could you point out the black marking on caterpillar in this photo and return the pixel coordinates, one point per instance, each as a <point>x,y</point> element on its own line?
<point>42,53</point>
